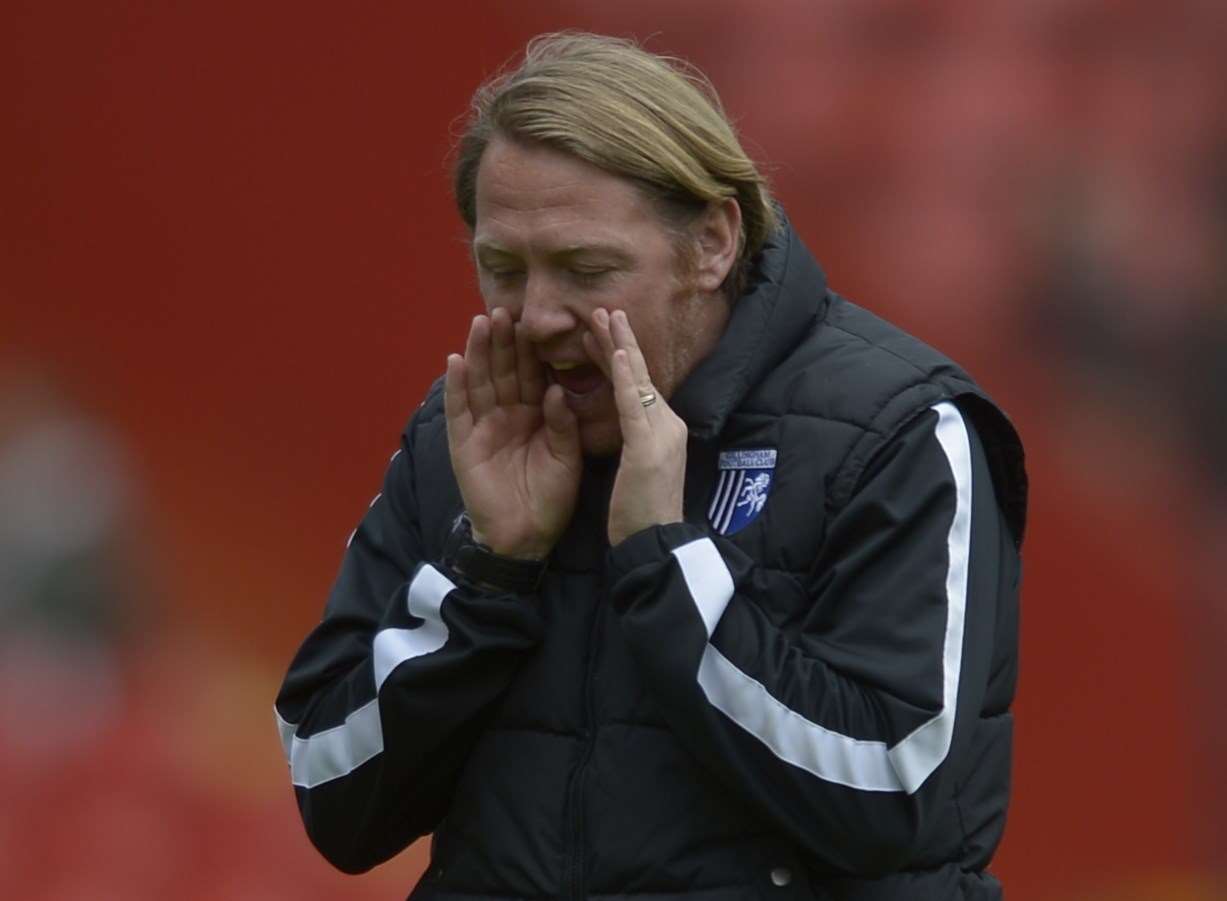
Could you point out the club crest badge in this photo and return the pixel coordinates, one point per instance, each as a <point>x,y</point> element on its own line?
<point>741,489</point>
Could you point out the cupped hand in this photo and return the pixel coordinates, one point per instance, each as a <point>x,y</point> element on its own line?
<point>649,487</point>
<point>513,441</point>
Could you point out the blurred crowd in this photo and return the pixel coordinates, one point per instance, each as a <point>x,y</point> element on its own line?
<point>1039,188</point>
<point>135,761</point>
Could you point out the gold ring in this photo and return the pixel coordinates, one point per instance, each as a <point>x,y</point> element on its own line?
<point>647,398</point>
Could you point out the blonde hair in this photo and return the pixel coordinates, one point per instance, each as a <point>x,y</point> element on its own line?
<point>652,119</point>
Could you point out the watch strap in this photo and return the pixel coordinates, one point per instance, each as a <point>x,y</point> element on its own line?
<point>478,565</point>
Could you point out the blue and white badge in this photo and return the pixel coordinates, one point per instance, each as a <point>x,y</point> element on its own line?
<point>741,490</point>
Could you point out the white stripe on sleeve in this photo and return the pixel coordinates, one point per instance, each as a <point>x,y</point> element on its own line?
<point>709,580</point>
<point>392,647</point>
<point>918,755</point>
<point>338,751</point>
<point>830,755</point>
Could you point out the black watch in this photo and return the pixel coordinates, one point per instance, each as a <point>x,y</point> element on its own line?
<point>482,568</point>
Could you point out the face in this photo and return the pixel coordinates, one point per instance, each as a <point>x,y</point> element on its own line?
<point>556,238</point>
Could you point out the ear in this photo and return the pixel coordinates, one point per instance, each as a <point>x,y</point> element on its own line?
<point>718,233</point>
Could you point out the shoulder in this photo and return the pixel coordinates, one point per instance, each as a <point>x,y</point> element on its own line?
<point>865,381</point>
<point>425,467</point>
<point>427,420</point>
<point>911,378</point>
<point>859,371</point>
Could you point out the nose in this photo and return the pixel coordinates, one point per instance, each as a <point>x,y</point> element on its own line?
<point>545,314</point>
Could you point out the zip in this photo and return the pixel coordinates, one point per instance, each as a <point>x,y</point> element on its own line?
<point>575,868</point>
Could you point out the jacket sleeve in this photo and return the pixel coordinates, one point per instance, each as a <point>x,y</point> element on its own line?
<point>847,729</point>
<point>387,694</point>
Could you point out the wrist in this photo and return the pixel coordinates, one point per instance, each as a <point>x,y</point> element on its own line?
<point>513,550</point>
<point>620,531</point>
<point>486,569</point>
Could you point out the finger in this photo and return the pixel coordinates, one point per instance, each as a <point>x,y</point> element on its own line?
<point>632,415</point>
<point>624,339</point>
<point>599,329</point>
<point>598,343</point>
<point>503,372</point>
<point>456,401</point>
<point>598,356</point>
<point>532,375</point>
<point>477,367</point>
<point>561,426</point>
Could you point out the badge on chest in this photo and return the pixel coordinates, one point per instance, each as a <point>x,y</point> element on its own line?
<point>741,488</point>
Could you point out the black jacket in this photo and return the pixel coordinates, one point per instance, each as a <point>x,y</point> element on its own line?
<point>801,692</point>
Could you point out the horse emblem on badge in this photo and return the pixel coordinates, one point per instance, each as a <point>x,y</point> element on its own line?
<point>741,490</point>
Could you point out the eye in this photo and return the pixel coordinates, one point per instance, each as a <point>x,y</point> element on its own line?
<point>589,275</point>
<point>502,275</point>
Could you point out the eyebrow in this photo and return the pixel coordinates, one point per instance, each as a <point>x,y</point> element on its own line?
<point>605,251</point>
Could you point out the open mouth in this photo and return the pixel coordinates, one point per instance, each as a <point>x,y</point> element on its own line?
<point>577,379</point>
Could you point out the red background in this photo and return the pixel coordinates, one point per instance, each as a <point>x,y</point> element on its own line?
<point>227,237</point>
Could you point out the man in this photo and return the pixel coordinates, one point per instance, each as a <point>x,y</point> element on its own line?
<point>692,579</point>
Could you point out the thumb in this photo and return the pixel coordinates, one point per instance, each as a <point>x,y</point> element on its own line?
<point>561,426</point>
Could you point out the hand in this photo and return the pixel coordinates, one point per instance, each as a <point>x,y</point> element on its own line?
<point>648,489</point>
<point>514,443</point>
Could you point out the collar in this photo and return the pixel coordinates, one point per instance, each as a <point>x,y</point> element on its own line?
<point>786,292</point>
